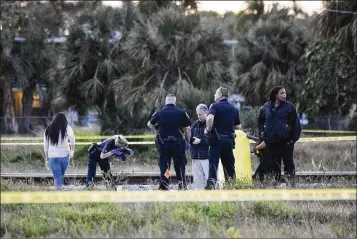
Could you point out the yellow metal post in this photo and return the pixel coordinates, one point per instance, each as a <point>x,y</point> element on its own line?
<point>243,163</point>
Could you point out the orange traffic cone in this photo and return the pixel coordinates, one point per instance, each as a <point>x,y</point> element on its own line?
<point>167,173</point>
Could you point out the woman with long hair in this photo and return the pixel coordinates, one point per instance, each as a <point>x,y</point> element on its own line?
<point>59,144</point>
<point>279,129</point>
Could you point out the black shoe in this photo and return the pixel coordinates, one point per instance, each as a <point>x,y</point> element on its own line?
<point>90,184</point>
<point>291,180</point>
<point>283,180</point>
<point>210,187</point>
<point>163,186</point>
<point>182,186</point>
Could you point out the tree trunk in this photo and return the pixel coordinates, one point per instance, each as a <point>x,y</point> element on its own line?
<point>27,100</point>
<point>159,81</point>
<point>8,123</point>
<point>337,94</point>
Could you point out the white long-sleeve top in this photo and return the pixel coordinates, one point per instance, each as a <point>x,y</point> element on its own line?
<point>64,147</point>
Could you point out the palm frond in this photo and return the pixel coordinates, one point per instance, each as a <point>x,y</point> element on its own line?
<point>156,97</point>
<point>258,71</point>
<point>91,88</point>
<point>133,96</point>
<point>334,23</point>
<point>243,53</point>
<point>108,68</point>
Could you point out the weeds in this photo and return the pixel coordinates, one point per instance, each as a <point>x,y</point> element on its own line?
<point>227,220</point>
<point>312,156</point>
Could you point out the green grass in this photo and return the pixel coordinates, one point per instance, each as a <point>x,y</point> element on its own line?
<point>227,220</point>
<point>86,131</point>
<point>312,156</point>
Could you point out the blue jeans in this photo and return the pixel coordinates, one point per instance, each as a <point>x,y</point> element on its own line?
<point>58,166</point>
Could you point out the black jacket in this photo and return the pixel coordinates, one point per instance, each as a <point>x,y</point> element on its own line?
<point>279,124</point>
<point>199,151</point>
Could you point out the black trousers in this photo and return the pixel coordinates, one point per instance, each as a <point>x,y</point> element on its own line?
<point>93,160</point>
<point>271,162</point>
<point>221,149</point>
<point>176,151</point>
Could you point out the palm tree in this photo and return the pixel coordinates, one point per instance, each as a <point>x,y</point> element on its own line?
<point>171,52</point>
<point>247,17</point>
<point>151,7</point>
<point>91,59</point>
<point>339,20</point>
<point>268,55</point>
<point>189,4</point>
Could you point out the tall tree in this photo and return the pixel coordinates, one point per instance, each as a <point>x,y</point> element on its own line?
<point>88,64</point>
<point>176,53</point>
<point>11,12</point>
<point>339,20</point>
<point>330,85</point>
<point>93,59</point>
<point>269,54</point>
<point>151,7</point>
<point>250,15</point>
<point>27,60</point>
<point>329,88</point>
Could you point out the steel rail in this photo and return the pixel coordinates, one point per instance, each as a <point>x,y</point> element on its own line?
<point>150,177</point>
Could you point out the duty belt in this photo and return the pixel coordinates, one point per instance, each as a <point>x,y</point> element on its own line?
<point>170,138</point>
<point>219,136</point>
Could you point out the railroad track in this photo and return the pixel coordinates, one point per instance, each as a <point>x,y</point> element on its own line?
<point>143,178</point>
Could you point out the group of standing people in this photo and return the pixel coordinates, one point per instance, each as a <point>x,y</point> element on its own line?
<point>210,138</point>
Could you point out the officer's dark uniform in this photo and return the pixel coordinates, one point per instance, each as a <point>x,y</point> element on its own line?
<point>281,129</point>
<point>170,142</point>
<point>222,138</point>
<point>94,157</point>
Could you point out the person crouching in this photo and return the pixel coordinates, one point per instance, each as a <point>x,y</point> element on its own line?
<point>101,153</point>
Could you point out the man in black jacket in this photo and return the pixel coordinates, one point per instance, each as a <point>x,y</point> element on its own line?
<point>169,121</point>
<point>199,149</point>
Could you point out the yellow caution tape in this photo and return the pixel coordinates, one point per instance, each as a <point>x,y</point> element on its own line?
<point>149,136</point>
<point>328,131</point>
<point>178,196</point>
<point>77,143</point>
<point>144,136</point>
<point>322,139</point>
<point>315,139</point>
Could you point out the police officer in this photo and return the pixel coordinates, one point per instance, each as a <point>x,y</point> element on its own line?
<point>220,125</point>
<point>169,122</point>
<point>100,154</point>
<point>279,127</point>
